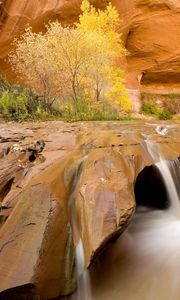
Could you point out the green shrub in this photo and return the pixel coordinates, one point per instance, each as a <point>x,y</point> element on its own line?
<point>172,103</point>
<point>165,115</point>
<point>149,108</point>
<point>22,104</point>
<point>22,107</point>
<point>13,107</point>
<point>83,110</point>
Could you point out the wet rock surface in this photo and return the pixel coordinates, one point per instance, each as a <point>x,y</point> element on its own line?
<point>83,187</point>
<point>101,210</point>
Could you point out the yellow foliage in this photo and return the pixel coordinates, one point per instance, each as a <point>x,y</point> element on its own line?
<point>75,62</point>
<point>98,20</point>
<point>105,25</point>
<point>117,94</point>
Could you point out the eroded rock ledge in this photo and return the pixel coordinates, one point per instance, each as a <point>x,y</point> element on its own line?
<point>83,188</point>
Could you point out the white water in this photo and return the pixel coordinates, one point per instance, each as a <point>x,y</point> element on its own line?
<point>164,168</point>
<point>162,130</point>
<point>83,276</point>
<point>152,150</point>
<point>144,263</point>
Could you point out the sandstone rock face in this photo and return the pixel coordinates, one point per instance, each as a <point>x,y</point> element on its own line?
<point>152,40</point>
<point>102,212</point>
<point>151,33</point>
<point>83,190</point>
<point>36,246</point>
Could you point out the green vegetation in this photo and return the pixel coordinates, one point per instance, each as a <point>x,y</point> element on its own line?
<point>22,104</point>
<point>71,70</point>
<point>19,104</point>
<point>70,73</point>
<point>172,103</point>
<point>162,106</point>
<point>169,105</point>
<point>165,115</point>
<point>149,108</point>
<point>87,111</point>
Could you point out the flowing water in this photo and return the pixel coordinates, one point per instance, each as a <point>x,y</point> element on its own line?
<point>170,181</point>
<point>83,277</point>
<point>82,274</point>
<point>144,263</point>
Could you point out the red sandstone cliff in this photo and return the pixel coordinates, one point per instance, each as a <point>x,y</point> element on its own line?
<point>151,33</point>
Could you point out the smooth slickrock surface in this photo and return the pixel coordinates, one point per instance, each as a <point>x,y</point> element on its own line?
<point>36,245</point>
<point>105,183</point>
<point>151,33</point>
<point>85,182</point>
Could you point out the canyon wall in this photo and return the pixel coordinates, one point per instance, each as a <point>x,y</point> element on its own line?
<point>151,33</point>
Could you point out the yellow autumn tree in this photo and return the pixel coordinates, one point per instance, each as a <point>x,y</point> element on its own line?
<point>30,61</point>
<point>77,62</point>
<point>117,94</point>
<point>71,57</point>
<point>101,30</point>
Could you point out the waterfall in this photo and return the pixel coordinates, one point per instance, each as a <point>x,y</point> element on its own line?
<point>170,172</point>
<point>144,262</point>
<point>83,277</point>
<point>152,150</point>
<point>165,168</point>
<point>82,273</point>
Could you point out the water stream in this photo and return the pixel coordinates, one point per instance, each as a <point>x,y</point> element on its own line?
<point>165,168</point>
<point>83,276</point>
<point>82,273</point>
<point>144,263</point>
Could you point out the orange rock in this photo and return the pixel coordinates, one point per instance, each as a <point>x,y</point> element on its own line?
<point>90,185</point>
<point>104,200</point>
<point>36,246</point>
<point>151,33</point>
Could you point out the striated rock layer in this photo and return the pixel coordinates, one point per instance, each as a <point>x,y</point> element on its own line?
<point>151,33</point>
<point>36,246</point>
<point>82,190</point>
